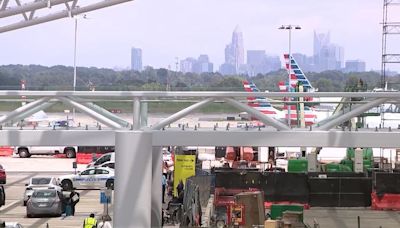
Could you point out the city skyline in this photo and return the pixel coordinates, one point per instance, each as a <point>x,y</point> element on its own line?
<point>176,29</point>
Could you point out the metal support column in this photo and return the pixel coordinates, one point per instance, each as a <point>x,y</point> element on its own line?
<point>156,191</point>
<point>136,113</point>
<point>133,179</point>
<point>143,114</point>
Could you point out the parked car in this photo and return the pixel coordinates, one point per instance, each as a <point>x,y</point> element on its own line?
<point>13,225</point>
<point>3,176</point>
<point>40,183</point>
<point>44,202</point>
<point>109,164</point>
<point>2,196</point>
<point>27,151</point>
<point>91,178</point>
<point>109,157</point>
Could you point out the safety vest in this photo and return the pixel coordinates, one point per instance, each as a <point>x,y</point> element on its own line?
<point>90,222</point>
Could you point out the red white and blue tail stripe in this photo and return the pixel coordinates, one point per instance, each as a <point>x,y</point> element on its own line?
<point>296,74</point>
<point>259,103</point>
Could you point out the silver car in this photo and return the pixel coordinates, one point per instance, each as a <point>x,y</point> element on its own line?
<point>13,225</point>
<point>40,183</point>
<point>44,202</point>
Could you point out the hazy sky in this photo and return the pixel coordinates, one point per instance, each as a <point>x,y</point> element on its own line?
<point>166,29</point>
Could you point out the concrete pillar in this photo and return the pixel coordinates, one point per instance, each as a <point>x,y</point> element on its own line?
<point>156,191</point>
<point>133,179</point>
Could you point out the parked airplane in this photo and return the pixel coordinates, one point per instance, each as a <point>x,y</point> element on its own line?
<point>263,105</point>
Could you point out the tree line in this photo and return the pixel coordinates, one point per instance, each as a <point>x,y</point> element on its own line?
<point>61,78</point>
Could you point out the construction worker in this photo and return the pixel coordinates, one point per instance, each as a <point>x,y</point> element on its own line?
<point>90,222</point>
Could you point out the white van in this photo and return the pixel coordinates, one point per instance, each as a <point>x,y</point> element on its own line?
<point>108,157</point>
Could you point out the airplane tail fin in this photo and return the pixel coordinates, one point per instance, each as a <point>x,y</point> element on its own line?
<point>296,74</point>
<point>259,103</point>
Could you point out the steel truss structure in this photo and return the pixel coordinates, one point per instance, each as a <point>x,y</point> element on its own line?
<point>139,154</point>
<point>29,11</point>
<point>389,29</point>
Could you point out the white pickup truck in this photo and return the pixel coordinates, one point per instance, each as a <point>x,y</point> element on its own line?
<point>27,151</point>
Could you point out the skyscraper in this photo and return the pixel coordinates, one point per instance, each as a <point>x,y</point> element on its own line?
<point>320,40</point>
<point>327,56</point>
<point>234,52</point>
<point>260,63</point>
<point>200,65</point>
<point>136,59</point>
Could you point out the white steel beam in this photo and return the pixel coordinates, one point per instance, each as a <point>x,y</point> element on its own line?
<point>36,5</point>
<point>62,14</point>
<point>353,113</point>
<point>32,111</point>
<point>133,179</point>
<point>268,121</point>
<point>104,112</point>
<point>193,94</point>
<point>181,114</point>
<point>279,138</point>
<point>57,137</point>
<point>332,138</point>
<point>102,119</point>
<point>21,110</point>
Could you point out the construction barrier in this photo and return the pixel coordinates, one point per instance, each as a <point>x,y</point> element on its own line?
<point>6,151</point>
<point>385,202</point>
<point>278,187</point>
<point>340,191</point>
<point>387,183</point>
<point>237,178</point>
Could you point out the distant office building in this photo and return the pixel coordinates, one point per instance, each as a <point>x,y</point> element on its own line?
<point>327,56</point>
<point>136,59</point>
<point>200,65</point>
<point>306,63</point>
<point>234,52</point>
<point>227,69</point>
<point>203,65</point>
<point>354,66</point>
<point>187,65</point>
<point>320,40</point>
<point>260,63</point>
<point>272,63</point>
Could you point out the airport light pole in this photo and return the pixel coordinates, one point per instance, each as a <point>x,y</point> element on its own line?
<point>75,39</point>
<point>289,88</point>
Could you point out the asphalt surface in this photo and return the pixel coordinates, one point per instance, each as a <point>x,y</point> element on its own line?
<point>14,211</point>
<point>347,218</point>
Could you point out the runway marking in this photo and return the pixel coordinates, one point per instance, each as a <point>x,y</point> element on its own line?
<point>8,206</point>
<point>20,180</point>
